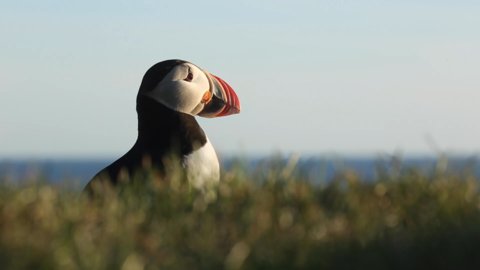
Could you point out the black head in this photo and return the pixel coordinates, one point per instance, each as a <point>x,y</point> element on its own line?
<point>184,87</point>
<point>154,76</point>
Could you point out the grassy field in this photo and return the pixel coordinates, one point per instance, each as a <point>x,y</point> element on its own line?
<point>407,220</point>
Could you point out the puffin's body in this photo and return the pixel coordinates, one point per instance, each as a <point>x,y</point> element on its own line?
<point>171,94</point>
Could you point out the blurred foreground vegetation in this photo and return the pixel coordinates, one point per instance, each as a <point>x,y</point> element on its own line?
<point>410,220</point>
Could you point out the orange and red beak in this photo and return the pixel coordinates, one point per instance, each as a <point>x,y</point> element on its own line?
<point>222,99</point>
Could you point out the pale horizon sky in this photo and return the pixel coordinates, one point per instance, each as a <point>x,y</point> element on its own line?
<point>313,77</point>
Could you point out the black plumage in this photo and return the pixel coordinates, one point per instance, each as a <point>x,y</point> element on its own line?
<point>162,132</point>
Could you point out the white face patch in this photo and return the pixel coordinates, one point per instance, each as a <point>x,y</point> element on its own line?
<point>182,89</point>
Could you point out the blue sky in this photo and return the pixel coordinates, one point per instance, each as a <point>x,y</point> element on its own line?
<point>336,76</point>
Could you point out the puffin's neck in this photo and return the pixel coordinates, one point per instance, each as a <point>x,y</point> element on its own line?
<point>162,130</point>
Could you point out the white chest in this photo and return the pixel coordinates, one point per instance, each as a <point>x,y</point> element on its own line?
<point>202,166</point>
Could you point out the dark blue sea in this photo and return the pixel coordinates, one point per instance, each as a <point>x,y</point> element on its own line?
<point>317,169</point>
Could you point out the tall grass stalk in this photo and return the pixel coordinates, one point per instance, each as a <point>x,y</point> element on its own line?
<point>411,221</point>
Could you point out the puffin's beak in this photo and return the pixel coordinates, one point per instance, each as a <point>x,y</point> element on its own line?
<point>221,101</point>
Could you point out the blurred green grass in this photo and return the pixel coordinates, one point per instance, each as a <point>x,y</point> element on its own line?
<point>410,220</point>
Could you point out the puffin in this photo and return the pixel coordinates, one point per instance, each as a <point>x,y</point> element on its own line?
<point>172,93</point>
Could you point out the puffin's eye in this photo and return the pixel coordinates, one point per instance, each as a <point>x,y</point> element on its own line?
<point>189,77</point>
